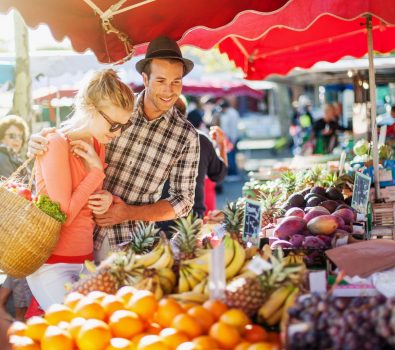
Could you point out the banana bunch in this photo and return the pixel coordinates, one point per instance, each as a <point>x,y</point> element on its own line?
<point>194,272</point>
<point>159,258</point>
<point>274,309</point>
<point>151,283</point>
<point>189,297</point>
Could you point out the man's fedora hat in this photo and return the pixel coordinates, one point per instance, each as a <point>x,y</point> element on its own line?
<point>164,47</point>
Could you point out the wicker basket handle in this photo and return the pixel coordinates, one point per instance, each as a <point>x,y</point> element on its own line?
<point>15,174</point>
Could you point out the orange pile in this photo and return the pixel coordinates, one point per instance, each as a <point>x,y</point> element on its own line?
<point>134,320</point>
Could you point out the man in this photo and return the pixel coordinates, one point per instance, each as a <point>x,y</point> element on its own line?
<point>159,145</point>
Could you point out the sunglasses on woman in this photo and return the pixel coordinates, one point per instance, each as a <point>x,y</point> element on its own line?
<point>113,125</point>
<point>13,136</point>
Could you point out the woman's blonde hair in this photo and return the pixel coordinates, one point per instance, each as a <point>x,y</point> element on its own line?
<point>102,85</point>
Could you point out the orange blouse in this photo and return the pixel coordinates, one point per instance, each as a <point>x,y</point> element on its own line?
<point>65,179</point>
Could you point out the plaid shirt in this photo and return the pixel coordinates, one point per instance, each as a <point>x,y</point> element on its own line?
<point>141,160</point>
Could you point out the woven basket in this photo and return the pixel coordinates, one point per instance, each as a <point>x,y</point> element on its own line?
<point>27,235</point>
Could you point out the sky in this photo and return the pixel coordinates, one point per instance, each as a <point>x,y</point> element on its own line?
<point>39,38</point>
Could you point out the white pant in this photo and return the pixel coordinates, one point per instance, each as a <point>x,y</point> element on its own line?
<point>48,282</point>
<point>104,251</point>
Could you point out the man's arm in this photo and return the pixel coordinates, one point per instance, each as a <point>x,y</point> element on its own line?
<point>120,212</point>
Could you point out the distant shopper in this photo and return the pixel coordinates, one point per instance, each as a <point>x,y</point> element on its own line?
<point>391,128</point>
<point>13,134</point>
<point>229,121</point>
<point>325,131</point>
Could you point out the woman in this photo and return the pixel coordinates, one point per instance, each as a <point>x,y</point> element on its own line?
<point>13,134</point>
<point>71,172</point>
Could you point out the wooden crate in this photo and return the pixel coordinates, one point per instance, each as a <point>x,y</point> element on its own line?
<point>383,219</point>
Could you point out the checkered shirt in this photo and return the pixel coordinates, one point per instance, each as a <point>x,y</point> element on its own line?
<point>143,158</point>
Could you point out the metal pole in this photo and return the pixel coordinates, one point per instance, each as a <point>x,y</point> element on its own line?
<point>372,87</point>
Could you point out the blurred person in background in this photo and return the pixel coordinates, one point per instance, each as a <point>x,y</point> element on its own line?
<point>229,120</point>
<point>391,128</point>
<point>324,131</point>
<point>14,132</point>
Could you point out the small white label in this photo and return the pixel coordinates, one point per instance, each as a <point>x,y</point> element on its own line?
<point>219,230</point>
<point>342,241</point>
<point>358,229</point>
<point>269,232</point>
<point>258,265</point>
<point>361,217</point>
<point>317,281</point>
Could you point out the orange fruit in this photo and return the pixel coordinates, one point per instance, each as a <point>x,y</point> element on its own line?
<point>235,318</point>
<point>119,344</point>
<point>154,328</point>
<point>89,308</point>
<point>206,342</point>
<point>254,333</point>
<point>125,293</point>
<point>244,345</point>
<point>20,342</point>
<point>17,328</point>
<point>216,307</point>
<point>187,324</point>
<point>94,335</point>
<point>97,295</point>
<point>111,303</point>
<point>55,338</point>
<point>189,346</point>
<point>187,306</point>
<point>226,336</point>
<point>167,310</point>
<point>136,339</point>
<point>143,303</point>
<point>172,337</point>
<point>35,327</point>
<point>75,326</point>
<point>203,316</point>
<point>125,324</point>
<point>152,342</point>
<point>262,346</point>
<point>57,313</point>
<point>72,299</point>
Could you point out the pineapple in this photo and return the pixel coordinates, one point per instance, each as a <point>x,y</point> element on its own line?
<point>143,238</point>
<point>289,182</point>
<point>234,216</point>
<point>249,294</point>
<point>109,276</point>
<point>270,211</point>
<point>184,241</point>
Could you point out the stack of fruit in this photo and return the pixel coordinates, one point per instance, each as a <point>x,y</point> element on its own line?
<point>314,227</point>
<point>133,319</point>
<point>325,322</point>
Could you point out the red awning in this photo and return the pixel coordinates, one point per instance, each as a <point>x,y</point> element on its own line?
<point>149,19</point>
<point>327,39</point>
<point>296,14</point>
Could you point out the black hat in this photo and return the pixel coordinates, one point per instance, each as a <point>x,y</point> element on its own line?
<point>164,47</point>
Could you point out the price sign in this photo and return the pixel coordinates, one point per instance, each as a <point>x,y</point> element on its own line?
<point>252,221</point>
<point>360,195</point>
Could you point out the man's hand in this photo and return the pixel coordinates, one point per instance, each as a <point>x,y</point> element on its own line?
<point>116,214</point>
<point>38,143</point>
